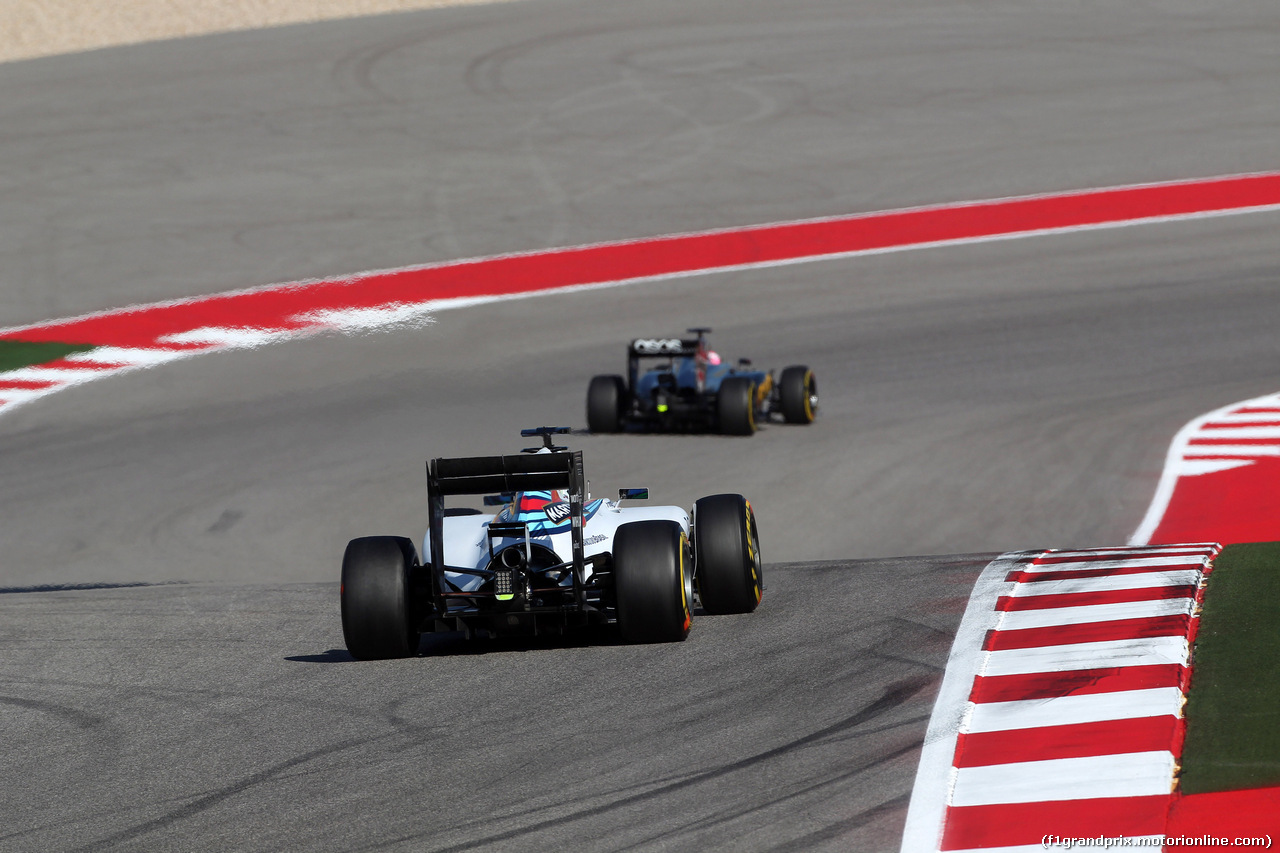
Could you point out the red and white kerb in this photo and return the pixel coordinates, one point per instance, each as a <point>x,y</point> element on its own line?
<point>1061,713</point>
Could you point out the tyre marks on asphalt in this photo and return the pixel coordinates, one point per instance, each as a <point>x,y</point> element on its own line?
<point>74,716</point>
<point>1068,721</point>
<point>213,798</point>
<point>145,336</point>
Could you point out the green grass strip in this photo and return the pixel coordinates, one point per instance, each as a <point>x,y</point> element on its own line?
<point>16,354</point>
<point>1233,707</point>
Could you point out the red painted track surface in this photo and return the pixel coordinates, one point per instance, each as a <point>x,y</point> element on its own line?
<point>1226,815</point>
<point>1242,505</point>
<point>148,335</point>
<point>1220,484</point>
<point>1219,478</point>
<point>285,307</point>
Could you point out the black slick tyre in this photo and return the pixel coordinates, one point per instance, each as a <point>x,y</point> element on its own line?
<point>377,618</point>
<point>727,562</point>
<point>736,406</point>
<point>605,398</point>
<point>653,577</point>
<point>799,391</point>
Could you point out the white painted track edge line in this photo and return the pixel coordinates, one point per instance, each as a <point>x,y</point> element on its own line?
<point>935,775</point>
<point>24,395</point>
<point>11,404</point>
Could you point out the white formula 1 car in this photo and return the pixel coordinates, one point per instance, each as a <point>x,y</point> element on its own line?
<point>550,559</point>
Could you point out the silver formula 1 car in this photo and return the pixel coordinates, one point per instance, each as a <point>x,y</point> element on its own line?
<point>681,385</point>
<point>550,559</point>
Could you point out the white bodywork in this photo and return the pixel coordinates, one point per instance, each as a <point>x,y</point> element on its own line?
<point>466,537</point>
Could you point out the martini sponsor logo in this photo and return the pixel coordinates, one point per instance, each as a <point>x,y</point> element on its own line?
<point>557,511</point>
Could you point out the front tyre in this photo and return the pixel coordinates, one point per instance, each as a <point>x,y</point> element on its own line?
<point>736,406</point>
<point>727,554</point>
<point>799,390</point>
<point>377,621</point>
<point>653,576</point>
<point>605,398</point>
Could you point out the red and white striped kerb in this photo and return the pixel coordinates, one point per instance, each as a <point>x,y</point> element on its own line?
<point>1063,715</point>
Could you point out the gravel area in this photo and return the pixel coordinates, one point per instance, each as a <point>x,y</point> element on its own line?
<point>32,28</point>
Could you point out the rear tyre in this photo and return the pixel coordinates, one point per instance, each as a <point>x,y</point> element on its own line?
<point>727,560</point>
<point>653,576</point>
<point>799,391</point>
<point>605,396</point>
<point>377,621</point>
<point>736,406</point>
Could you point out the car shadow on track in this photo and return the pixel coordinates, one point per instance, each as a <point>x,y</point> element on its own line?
<point>75,587</point>
<point>331,656</point>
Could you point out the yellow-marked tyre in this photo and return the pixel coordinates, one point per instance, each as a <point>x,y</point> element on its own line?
<point>377,610</point>
<point>726,547</point>
<point>653,577</point>
<point>799,392</point>
<point>736,406</point>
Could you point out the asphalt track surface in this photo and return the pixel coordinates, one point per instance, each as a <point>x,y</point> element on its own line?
<point>975,399</point>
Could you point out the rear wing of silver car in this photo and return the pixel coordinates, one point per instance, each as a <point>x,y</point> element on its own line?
<point>646,349</point>
<point>658,347</point>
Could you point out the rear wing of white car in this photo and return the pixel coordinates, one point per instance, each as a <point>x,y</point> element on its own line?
<point>483,475</point>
